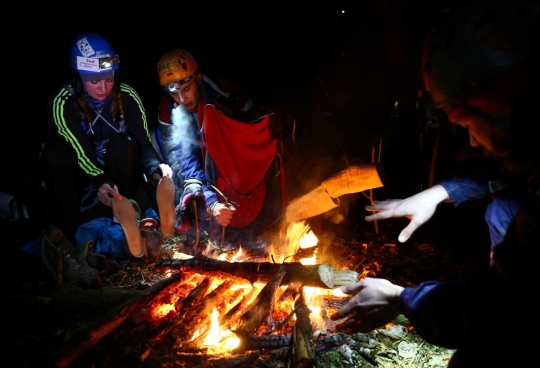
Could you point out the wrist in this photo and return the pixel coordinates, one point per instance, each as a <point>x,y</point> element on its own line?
<point>210,207</point>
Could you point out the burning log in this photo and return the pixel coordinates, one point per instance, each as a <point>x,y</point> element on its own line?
<point>87,337</point>
<point>198,318</point>
<point>304,355</point>
<point>229,319</point>
<point>192,299</point>
<point>323,276</point>
<point>260,311</point>
<point>250,341</point>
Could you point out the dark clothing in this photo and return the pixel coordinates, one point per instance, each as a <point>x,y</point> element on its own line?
<point>482,181</point>
<point>65,124</point>
<point>80,157</point>
<point>487,314</point>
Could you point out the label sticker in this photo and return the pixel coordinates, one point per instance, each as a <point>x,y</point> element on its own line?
<point>85,48</point>
<point>90,64</point>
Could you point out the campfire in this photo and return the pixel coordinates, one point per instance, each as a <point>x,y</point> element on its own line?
<point>226,309</point>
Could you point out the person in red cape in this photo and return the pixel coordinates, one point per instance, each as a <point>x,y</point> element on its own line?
<point>220,146</point>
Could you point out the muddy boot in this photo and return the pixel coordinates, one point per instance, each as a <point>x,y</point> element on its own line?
<point>127,214</point>
<point>167,213</point>
<point>66,262</point>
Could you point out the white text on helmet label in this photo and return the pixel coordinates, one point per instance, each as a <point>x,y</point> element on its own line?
<point>88,64</point>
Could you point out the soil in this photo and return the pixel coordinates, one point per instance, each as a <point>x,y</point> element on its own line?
<point>453,245</point>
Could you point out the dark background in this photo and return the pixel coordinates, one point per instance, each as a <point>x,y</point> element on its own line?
<point>334,75</point>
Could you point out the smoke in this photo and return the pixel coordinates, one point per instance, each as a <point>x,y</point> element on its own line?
<point>184,132</point>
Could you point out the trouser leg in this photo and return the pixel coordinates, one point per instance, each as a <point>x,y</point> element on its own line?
<point>62,180</point>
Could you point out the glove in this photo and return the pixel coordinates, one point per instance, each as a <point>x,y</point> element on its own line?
<point>221,212</point>
<point>192,190</point>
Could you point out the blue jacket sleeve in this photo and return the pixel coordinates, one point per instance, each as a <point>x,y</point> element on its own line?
<point>182,149</point>
<point>471,180</point>
<point>439,311</point>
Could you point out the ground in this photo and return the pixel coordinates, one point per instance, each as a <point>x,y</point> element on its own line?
<point>42,317</point>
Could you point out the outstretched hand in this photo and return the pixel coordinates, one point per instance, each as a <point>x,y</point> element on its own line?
<point>375,302</point>
<point>418,208</point>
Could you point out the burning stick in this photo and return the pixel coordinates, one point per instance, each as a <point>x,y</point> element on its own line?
<point>87,337</point>
<point>192,299</point>
<point>260,311</point>
<point>304,355</point>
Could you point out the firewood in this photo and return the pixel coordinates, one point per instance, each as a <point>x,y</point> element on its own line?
<point>88,336</point>
<point>260,311</point>
<point>249,341</point>
<point>323,276</point>
<point>192,299</point>
<point>198,317</point>
<point>304,354</point>
<point>302,314</point>
<point>195,296</point>
<point>231,317</point>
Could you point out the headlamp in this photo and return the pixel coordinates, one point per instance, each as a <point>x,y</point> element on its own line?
<point>175,86</point>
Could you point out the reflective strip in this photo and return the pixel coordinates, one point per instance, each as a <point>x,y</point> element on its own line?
<point>135,95</point>
<point>59,120</point>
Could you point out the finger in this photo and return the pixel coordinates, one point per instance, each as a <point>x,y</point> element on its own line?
<point>407,232</point>
<point>379,216</point>
<point>352,289</point>
<point>349,326</point>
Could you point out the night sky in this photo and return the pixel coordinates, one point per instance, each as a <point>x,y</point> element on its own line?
<point>336,75</point>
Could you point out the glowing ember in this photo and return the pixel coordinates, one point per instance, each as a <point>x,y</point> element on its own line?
<point>217,337</point>
<point>163,310</point>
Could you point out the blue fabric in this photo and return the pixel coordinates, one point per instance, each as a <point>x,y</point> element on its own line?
<point>499,215</point>
<point>108,235</point>
<point>94,103</point>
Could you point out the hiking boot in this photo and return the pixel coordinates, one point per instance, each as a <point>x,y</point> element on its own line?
<point>126,215</point>
<point>167,212</point>
<point>66,262</point>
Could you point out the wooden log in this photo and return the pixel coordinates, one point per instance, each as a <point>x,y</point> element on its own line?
<point>198,317</point>
<point>231,317</point>
<point>304,355</point>
<point>250,341</point>
<point>302,351</point>
<point>322,276</point>
<point>260,311</point>
<point>88,336</point>
<point>193,298</point>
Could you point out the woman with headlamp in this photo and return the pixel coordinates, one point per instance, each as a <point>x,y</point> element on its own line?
<point>98,144</point>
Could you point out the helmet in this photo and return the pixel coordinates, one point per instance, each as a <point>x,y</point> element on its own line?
<point>91,54</point>
<point>175,68</point>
